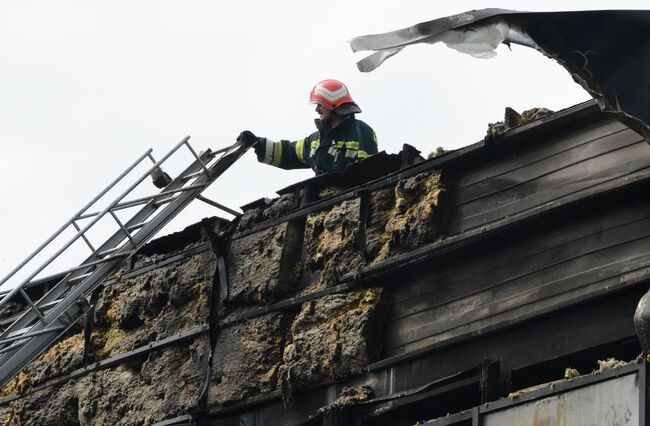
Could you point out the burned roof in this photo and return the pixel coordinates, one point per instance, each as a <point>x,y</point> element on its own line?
<point>607,52</point>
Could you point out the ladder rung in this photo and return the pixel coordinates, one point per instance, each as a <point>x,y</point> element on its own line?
<point>146,199</point>
<point>192,176</point>
<point>80,277</point>
<point>10,319</point>
<point>95,262</point>
<point>121,225</point>
<point>199,160</point>
<point>32,306</point>
<point>165,201</point>
<point>49,305</point>
<point>106,253</point>
<point>10,348</point>
<point>25,335</point>
<point>137,226</point>
<point>83,235</point>
<point>58,276</point>
<point>18,332</point>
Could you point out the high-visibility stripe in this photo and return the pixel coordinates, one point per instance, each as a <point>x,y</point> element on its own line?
<point>363,154</point>
<point>314,146</point>
<point>268,152</point>
<point>277,153</point>
<point>352,145</point>
<point>331,95</point>
<point>350,153</point>
<point>300,147</point>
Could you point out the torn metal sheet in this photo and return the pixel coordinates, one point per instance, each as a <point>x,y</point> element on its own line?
<point>607,52</point>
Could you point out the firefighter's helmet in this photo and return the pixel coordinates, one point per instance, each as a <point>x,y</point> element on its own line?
<point>333,95</point>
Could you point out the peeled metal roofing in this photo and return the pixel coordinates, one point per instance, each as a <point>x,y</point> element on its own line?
<point>607,52</point>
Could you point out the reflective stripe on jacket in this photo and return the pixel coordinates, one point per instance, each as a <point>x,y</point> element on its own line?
<point>326,150</point>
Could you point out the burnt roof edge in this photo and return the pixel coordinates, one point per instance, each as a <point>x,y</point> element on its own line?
<point>514,136</point>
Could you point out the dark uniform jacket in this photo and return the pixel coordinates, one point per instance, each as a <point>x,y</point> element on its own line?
<point>326,150</point>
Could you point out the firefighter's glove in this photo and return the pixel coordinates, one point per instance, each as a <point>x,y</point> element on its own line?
<point>247,138</point>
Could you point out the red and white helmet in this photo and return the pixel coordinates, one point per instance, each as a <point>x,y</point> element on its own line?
<point>333,95</point>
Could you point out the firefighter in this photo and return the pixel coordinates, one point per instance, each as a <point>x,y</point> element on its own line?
<point>341,139</point>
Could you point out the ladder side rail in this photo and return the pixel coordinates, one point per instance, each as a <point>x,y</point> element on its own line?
<point>95,220</point>
<point>12,362</point>
<point>29,334</point>
<point>74,218</point>
<point>138,201</point>
<point>28,317</point>
<point>36,282</point>
<point>59,289</point>
<point>120,206</point>
<point>16,358</point>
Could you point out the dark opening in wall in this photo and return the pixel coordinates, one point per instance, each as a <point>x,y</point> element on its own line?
<point>452,401</point>
<point>179,240</point>
<point>584,361</point>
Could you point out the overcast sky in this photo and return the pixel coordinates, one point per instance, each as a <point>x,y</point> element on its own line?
<point>88,86</point>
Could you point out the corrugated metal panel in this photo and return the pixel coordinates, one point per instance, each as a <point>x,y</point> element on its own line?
<point>611,403</point>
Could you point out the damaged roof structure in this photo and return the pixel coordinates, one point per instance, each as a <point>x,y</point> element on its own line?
<point>495,285</point>
<point>605,51</point>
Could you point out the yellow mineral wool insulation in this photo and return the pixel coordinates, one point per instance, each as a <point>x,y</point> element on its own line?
<point>331,242</point>
<point>71,344</point>
<point>414,219</point>
<point>333,337</point>
<point>528,116</point>
<point>17,385</point>
<point>439,151</point>
<point>608,364</point>
<point>59,359</point>
<point>109,339</point>
<point>7,416</point>
<point>196,311</point>
<point>350,396</point>
<point>330,191</point>
<point>571,373</point>
<point>520,392</point>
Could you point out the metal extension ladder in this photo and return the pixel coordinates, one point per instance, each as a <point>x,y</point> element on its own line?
<point>47,318</point>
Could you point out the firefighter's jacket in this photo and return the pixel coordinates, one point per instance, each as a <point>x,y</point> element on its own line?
<point>326,150</point>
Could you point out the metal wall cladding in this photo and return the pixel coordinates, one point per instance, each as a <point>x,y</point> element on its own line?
<point>569,256</point>
<point>609,403</point>
<point>534,174</point>
<point>546,266</point>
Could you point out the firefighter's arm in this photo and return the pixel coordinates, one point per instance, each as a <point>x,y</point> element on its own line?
<point>284,154</point>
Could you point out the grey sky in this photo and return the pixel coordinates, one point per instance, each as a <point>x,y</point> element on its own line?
<point>88,86</point>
